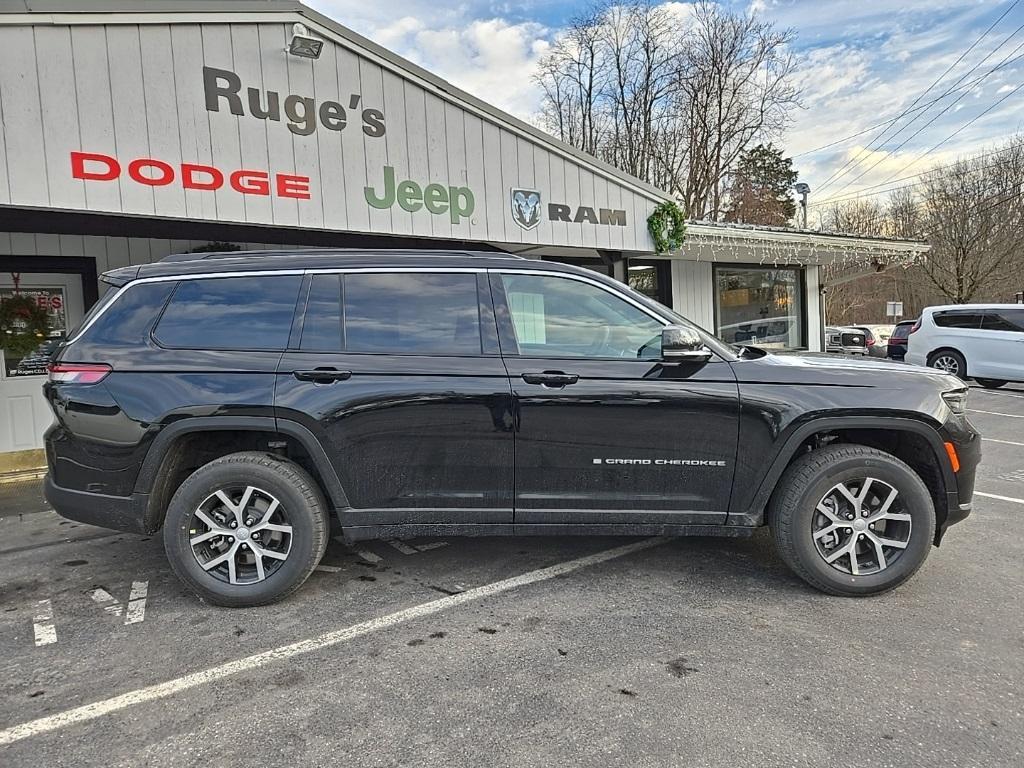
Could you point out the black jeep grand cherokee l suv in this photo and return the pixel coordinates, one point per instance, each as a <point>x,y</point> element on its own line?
<point>239,400</point>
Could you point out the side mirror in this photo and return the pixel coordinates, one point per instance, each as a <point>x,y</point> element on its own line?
<point>682,344</point>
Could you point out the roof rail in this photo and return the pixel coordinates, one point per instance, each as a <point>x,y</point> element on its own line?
<point>202,256</point>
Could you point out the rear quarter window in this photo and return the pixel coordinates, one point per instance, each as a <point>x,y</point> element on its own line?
<point>231,313</point>
<point>957,320</point>
<point>129,318</point>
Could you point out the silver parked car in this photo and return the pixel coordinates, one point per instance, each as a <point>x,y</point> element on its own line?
<point>850,341</point>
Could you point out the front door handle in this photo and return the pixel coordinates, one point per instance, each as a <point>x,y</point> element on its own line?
<point>551,378</point>
<point>322,375</point>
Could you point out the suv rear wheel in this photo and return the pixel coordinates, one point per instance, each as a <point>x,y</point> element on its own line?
<point>246,529</point>
<point>950,361</point>
<point>852,520</point>
<point>991,383</point>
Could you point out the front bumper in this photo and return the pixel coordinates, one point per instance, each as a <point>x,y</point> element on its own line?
<point>122,513</point>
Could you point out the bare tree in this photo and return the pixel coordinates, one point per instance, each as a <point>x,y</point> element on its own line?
<point>974,217</point>
<point>971,214</point>
<point>736,88</point>
<point>670,99</point>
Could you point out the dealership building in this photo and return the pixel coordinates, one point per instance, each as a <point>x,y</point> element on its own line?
<point>133,130</point>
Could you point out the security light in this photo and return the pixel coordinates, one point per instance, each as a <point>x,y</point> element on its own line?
<point>304,44</point>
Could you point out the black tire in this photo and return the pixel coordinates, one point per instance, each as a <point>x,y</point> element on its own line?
<point>991,383</point>
<point>805,483</point>
<point>301,506</point>
<point>948,360</point>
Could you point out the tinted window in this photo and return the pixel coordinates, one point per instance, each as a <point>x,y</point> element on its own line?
<point>957,320</point>
<point>412,313</point>
<point>559,317</point>
<point>230,313</point>
<point>128,320</point>
<point>321,325</point>
<point>902,331</point>
<point>1003,320</point>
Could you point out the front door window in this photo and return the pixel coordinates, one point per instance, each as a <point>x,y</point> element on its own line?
<point>562,317</point>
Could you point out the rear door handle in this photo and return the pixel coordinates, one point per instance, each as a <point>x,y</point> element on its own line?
<point>322,375</point>
<point>551,378</point>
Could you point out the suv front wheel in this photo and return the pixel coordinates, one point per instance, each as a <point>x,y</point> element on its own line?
<point>246,529</point>
<point>852,520</point>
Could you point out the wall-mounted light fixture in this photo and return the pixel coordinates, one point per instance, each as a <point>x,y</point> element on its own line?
<point>304,44</point>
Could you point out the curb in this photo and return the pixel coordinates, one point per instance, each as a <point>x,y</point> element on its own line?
<point>22,476</point>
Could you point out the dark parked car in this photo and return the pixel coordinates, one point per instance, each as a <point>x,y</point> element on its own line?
<point>240,401</point>
<point>897,349</point>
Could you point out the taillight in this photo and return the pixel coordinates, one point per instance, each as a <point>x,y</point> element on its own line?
<point>77,373</point>
<point>871,342</point>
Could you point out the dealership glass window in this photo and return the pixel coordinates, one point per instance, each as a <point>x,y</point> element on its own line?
<point>250,313</point>
<point>34,363</point>
<point>412,313</point>
<point>652,278</point>
<point>762,306</point>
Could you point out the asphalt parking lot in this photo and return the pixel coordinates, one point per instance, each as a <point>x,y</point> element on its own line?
<point>567,651</point>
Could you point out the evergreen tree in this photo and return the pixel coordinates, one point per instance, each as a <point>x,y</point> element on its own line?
<point>760,189</point>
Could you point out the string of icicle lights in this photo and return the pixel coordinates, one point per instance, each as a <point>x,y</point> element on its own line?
<point>729,247</point>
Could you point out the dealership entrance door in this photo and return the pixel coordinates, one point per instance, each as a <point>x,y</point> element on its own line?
<point>24,414</point>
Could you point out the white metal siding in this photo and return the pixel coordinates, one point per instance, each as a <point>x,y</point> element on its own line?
<point>136,91</point>
<point>693,292</point>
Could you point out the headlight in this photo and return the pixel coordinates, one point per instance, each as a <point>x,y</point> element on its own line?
<point>956,400</point>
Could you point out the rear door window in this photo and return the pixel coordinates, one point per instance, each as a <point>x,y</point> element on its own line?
<point>234,313</point>
<point>412,313</point>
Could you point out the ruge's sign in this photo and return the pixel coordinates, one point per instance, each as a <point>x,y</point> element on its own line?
<point>301,112</point>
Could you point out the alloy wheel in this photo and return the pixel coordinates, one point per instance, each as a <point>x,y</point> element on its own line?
<point>860,526</point>
<point>947,363</point>
<point>240,535</point>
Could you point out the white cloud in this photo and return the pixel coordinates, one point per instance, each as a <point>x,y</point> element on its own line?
<point>491,58</point>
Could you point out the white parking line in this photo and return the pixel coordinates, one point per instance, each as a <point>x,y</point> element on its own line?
<point>1000,498</point>
<point>137,603</point>
<point>993,392</point>
<point>45,632</point>
<point>162,690</point>
<point>994,413</point>
<point>1004,442</point>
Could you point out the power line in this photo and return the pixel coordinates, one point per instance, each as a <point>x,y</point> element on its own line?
<point>927,152</point>
<point>854,161</point>
<point>925,126</point>
<point>920,183</point>
<point>890,121</point>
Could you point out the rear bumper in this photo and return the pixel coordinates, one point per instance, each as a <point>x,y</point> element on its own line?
<point>122,513</point>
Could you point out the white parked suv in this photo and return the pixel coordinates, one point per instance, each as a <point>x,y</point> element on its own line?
<point>984,342</point>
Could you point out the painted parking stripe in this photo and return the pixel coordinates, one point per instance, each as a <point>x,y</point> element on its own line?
<point>42,623</point>
<point>136,612</point>
<point>1003,442</point>
<point>1000,498</point>
<point>993,392</point>
<point>162,690</point>
<point>994,413</point>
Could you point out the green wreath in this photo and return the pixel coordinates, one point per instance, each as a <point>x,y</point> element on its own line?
<point>667,226</point>
<point>24,325</point>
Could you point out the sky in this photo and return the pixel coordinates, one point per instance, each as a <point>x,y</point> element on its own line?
<point>862,62</point>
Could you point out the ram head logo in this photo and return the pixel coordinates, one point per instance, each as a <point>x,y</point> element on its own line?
<point>526,208</point>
